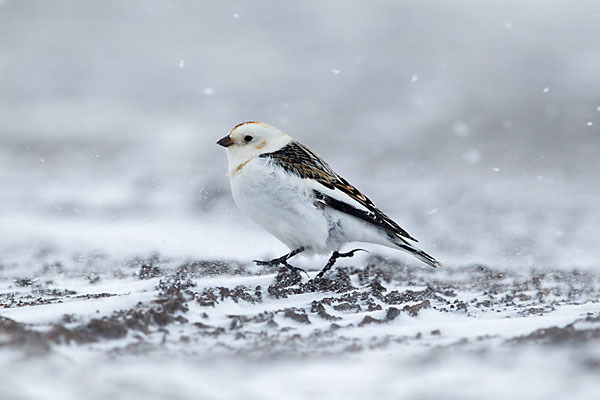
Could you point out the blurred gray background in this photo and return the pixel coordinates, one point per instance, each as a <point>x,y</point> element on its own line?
<point>474,124</point>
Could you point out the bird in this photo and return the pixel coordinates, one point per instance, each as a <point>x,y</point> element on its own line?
<point>297,197</point>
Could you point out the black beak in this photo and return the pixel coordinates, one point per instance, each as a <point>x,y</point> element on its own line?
<point>226,141</point>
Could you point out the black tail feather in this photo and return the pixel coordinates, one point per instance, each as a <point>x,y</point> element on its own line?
<point>421,255</point>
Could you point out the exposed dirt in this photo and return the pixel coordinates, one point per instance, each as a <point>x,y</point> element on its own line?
<point>568,334</point>
<point>288,313</point>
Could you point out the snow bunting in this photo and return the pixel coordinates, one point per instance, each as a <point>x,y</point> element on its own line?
<point>296,196</point>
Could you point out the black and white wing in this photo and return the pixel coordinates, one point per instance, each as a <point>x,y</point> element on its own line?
<point>331,189</point>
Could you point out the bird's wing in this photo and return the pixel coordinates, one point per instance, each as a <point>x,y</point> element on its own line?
<point>330,189</point>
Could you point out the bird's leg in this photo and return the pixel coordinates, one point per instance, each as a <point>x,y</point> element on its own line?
<point>334,258</point>
<point>281,260</point>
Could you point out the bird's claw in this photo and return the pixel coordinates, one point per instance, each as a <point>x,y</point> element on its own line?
<point>280,261</point>
<point>274,262</point>
<point>296,269</point>
<point>351,253</point>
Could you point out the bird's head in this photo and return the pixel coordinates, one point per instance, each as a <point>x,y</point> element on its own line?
<point>251,139</point>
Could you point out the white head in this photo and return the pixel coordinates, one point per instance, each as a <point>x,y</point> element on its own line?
<point>251,139</point>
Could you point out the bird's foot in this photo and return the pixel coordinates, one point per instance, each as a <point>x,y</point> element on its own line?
<point>295,269</point>
<point>334,258</point>
<point>283,262</point>
<point>274,262</point>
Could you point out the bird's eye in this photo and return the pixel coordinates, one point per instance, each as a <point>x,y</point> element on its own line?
<point>248,138</point>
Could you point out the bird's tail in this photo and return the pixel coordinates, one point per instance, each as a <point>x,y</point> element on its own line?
<point>420,254</point>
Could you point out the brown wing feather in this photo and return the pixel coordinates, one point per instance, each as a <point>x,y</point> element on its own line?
<point>301,161</point>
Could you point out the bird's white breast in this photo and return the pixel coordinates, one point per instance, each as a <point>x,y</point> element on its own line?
<point>281,203</point>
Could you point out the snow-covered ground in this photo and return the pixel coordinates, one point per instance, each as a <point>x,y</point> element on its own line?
<point>125,266</point>
<point>160,328</point>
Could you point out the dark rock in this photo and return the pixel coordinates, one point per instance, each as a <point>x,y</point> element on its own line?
<point>17,335</point>
<point>148,271</point>
<point>337,281</point>
<point>287,277</point>
<point>369,320</point>
<point>347,307</point>
<point>298,316</point>
<point>319,309</point>
<point>391,313</point>
<point>556,335</point>
<point>416,309</point>
<point>24,282</point>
